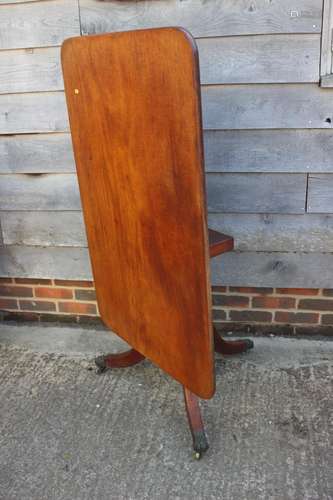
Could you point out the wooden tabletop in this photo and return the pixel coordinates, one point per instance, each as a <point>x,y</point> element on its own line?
<point>135,116</point>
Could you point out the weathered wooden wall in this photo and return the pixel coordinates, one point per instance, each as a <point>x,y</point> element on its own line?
<point>268,134</point>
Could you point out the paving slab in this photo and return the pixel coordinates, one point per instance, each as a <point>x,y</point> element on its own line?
<point>68,433</point>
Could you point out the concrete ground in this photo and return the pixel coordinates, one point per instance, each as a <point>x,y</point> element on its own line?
<point>68,433</point>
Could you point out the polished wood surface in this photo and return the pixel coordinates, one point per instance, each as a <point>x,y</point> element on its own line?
<point>230,347</point>
<point>135,116</point>
<point>118,360</point>
<point>219,243</point>
<point>200,443</point>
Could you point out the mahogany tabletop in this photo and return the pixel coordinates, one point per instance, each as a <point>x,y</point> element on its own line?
<point>135,116</point>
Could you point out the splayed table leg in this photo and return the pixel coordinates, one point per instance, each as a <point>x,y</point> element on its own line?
<point>229,347</point>
<point>119,360</point>
<point>200,443</point>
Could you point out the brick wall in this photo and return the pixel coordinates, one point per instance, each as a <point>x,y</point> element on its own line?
<point>44,299</point>
<point>282,310</point>
<point>233,307</point>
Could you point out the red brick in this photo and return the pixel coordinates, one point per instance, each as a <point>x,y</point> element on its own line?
<point>230,300</point>
<point>299,317</point>
<point>33,281</point>
<point>219,314</point>
<point>251,316</point>
<point>316,304</point>
<point>327,319</point>
<point>298,291</point>
<point>322,330</point>
<point>82,284</point>
<point>249,289</point>
<point>85,295</point>
<point>58,318</point>
<point>37,305</point>
<point>273,302</point>
<point>221,289</point>
<point>20,316</point>
<point>53,293</point>
<point>77,307</point>
<point>8,304</point>
<point>90,320</point>
<point>15,291</point>
<point>6,280</point>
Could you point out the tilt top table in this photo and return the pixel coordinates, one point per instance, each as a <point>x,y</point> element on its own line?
<point>135,116</point>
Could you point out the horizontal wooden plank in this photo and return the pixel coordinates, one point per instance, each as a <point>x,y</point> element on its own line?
<point>213,18</point>
<point>43,229</point>
<point>303,150</point>
<point>260,59</point>
<point>235,268</point>
<point>49,262</point>
<point>224,107</point>
<point>291,151</point>
<point>275,232</point>
<point>320,193</point>
<point>249,193</point>
<point>39,192</point>
<point>17,1</point>
<point>36,153</point>
<point>252,232</point>
<point>326,81</point>
<point>38,24</point>
<point>256,193</point>
<point>275,269</point>
<point>26,70</point>
<point>36,112</point>
<point>252,59</point>
<point>266,106</point>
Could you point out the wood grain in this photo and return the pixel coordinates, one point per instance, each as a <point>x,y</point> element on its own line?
<point>285,270</point>
<point>256,193</point>
<point>291,150</point>
<point>280,269</point>
<point>275,232</point>
<point>39,192</point>
<point>252,59</point>
<point>38,24</point>
<point>203,19</point>
<point>252,193</point>
<point>219,242</point>
<point>17,1</point>
<point>38,228</point>
<point>36,153</point>
<point>226,192</point>
<point>45,262</point>
<point>252,232</point>
<point>33,113</point>
<point>320,193</point>
<point>224,107</point>
<point>30,70</point>
<point>264,128</point>
<point>260,59</point>
<point>326,41</point>
<point>266,106</point>
<point>143,199</point>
